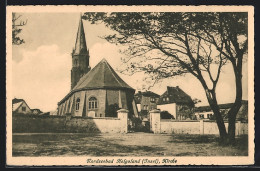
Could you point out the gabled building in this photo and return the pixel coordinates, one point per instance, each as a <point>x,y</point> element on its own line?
<point>20,106</point>
<point>99,92</point>
<point>176,102</point>
<point>205,112</point>
<point>146,101</point>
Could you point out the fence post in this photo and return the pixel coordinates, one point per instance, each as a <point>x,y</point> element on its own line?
<point>156,121</point>
<point>122,114</point>
<point>201,127</point>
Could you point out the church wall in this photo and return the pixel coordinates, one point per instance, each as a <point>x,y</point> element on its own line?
<point>112,97</point>
<point>123,99</point>
<point>58,113</point>
<point>81,96</point>
<point>67,106</point>
<point>62,109</point>
<point>72,103</point>
<point>101,98</point>
<point>104,98</point>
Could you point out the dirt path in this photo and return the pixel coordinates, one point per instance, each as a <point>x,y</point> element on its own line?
<point>131,144</point>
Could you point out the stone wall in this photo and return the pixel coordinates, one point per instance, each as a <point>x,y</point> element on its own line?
<point>47,124</point>
<point>189,127</point>
<point>180,127</point>
<point>33,123</point>
<point>197,127</point>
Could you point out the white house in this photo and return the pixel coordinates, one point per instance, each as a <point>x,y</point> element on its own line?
<point>176,102</point>
<point>20,106</point>
<point>205,112</point>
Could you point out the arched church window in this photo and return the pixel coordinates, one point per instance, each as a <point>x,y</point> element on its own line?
<point>76,62</point>
<point>92,104</point>
<point>77,104</point>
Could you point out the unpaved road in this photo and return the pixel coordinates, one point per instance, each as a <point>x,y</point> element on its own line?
<point>131,144</point>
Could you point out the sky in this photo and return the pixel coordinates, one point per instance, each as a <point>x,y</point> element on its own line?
<point>41,67</point>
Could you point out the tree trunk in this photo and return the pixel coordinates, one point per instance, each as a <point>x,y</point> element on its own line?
<point>232,113</point>
<point>211,96</point>
<point>231,129</point>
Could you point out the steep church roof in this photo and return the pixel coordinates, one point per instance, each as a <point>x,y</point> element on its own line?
<point>80,45</point>
<point>102,76</point>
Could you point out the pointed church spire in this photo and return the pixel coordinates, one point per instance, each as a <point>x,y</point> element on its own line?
<point>80,56</point>
<point>80,45</point>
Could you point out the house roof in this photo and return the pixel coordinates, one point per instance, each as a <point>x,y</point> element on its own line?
<point>100,77</point>
<point>175,95</point>
<point>139,94</point>
<point>147,93</point>
<point>221,106</point>
<point>17,105</point>
<point>15,100</point>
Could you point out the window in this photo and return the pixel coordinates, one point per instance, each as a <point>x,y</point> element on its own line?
<point>77,104</point>
<point>76,62</point>
<point>92,104</point>
<point>167,98</point>
<point>164,99</point>
<point>152,99</point>
<point>23,109</point>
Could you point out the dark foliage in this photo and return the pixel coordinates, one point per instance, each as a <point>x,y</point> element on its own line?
<point>16,29</point>
<point>166,115</point>
<point>164,45</point>
<point>112,109</point>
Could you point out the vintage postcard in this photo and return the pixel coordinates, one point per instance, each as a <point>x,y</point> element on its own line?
<point>130,85</point>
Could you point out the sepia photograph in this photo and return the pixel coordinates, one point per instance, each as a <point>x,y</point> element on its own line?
<point>130,85</point>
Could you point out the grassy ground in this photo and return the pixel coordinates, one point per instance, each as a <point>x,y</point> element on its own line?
<point>131,144</point>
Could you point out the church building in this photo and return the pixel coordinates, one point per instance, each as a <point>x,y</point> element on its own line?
<point>99,92</point>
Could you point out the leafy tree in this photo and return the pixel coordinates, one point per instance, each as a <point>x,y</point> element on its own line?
<point>166,115</point>
<point>111,110</point>
<point>165,45</point>
<point>196,101</point>
<point>16,40</point>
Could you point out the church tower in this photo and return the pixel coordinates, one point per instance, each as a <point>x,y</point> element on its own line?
<point>80,56</point>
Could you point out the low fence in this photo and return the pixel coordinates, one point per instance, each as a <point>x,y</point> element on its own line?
<point>197,127</point>
<point>190,127</point>
<point>22,123</point>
